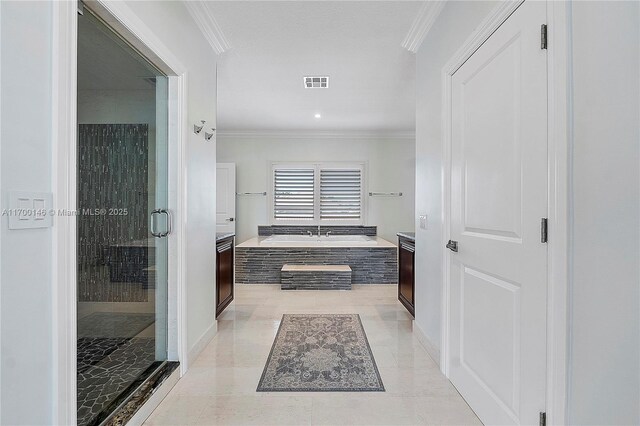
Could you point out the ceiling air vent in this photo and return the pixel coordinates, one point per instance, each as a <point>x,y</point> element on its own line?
<point>316,82</point>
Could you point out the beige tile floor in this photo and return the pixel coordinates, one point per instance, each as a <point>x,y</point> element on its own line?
<point>220,387</point>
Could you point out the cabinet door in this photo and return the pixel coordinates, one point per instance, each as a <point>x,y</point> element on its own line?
<point>406,275</point>
<point>224,277</point>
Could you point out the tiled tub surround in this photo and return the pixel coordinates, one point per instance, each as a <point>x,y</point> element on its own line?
<point>265,231</point>
<point>315,277</point>
<point>372,263</point>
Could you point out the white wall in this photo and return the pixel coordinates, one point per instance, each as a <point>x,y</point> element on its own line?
<point>25,151</point>
<point>605,346</point>
<point>456,22</point>
<point>26,365</point>
<point>390,168</point>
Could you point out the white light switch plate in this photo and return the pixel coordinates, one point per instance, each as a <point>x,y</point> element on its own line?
<point>423,221</point>
<point>29,210</point>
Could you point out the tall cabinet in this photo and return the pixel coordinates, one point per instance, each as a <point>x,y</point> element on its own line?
<point>406,271</point>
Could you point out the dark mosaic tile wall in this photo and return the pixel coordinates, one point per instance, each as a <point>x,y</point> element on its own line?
<point>94,284</point>
<point>265,231</point>
<point>112,174</point>
<point>315,280</point>
<point>262,265</point>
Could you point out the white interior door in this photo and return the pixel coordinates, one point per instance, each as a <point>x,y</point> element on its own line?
<point>225,197</point>
<point>498,278</point>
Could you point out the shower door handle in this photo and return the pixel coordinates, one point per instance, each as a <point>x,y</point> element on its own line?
<point>169,220</point>
<point>153,223</point>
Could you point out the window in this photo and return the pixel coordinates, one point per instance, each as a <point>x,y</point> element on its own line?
<point>318,193</point>
<point>293,194</point>
<point>340,194</point>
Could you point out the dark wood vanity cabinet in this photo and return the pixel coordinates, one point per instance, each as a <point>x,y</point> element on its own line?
<point>406,273</point>
<point>224,274</point>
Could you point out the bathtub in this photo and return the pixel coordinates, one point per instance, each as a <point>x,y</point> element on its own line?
<point>373,260</point>
<point>322,241</point>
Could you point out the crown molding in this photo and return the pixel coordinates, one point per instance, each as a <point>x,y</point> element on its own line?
<point>425,19</point>
<point>315,134</point>
<point>208,25</point>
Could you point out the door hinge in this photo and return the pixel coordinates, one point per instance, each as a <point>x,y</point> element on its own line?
<point>543,36</point>
<point>544,230</point>
<point>543,418</point>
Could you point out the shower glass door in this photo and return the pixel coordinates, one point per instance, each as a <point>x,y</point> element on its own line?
<point>122,220</point>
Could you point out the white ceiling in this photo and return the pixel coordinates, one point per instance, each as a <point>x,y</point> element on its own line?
<point>275,44</point>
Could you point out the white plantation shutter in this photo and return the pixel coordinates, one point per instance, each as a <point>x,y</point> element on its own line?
<point>293,194</point>
<point>340,194</point>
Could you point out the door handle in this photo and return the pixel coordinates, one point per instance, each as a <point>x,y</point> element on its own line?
<point>230,219</point>
<point>153,223</point>
<point>452,245</point>
<point>169,220</point>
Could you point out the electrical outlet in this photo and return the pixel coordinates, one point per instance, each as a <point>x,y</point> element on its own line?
<point>423,221</point>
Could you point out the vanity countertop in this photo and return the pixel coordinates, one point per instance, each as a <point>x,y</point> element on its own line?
<point>408,235</point>
<point>224,235</point>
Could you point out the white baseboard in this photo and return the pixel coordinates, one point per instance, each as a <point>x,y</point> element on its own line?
<point>201,343</point>
<point>432,350</point>
<point>156,398</point>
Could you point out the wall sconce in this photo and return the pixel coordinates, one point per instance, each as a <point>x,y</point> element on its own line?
<point>208,136</point>
<point>197,129</point>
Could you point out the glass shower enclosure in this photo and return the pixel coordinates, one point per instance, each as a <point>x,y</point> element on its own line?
<point>122,221</point>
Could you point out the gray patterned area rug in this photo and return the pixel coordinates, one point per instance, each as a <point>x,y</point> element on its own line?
<point>320,353</point>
